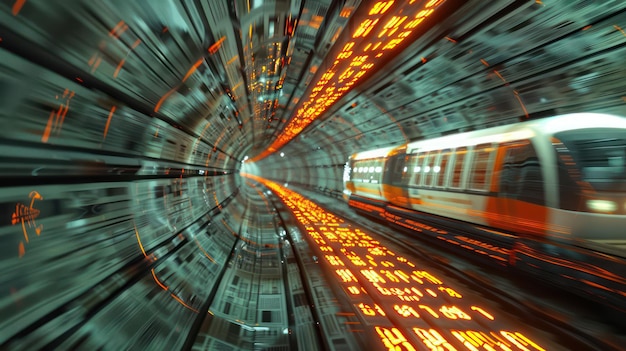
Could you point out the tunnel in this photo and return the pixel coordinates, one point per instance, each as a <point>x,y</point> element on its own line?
<point>279,175</point>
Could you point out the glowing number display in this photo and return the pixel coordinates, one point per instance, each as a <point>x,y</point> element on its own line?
<point>407,297</point>
<point>433,340</point>
<point>393,339</point>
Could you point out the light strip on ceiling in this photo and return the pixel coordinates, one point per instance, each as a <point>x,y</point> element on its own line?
<point>378,35</point>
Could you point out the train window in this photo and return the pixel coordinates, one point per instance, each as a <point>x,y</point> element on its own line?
<point>442,167</point>
<point>407,170</point>
<point>417,169</point>
<point>408,164</point>
<point>520,176</point>
<point>429,168</point>
<point>459,162</point>
<point>600,157</point>
<point>591,161</point>
<point>479,175</point>
<point>366,174</point>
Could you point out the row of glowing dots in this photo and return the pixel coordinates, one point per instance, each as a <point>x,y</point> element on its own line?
<point>473,340</point>
<point>359,61</point>
<point>313,107</point>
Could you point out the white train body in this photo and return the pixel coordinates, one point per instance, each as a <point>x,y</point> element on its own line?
<point>562,176</point>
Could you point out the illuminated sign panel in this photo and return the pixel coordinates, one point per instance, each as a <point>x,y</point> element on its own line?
<point>408,306</point>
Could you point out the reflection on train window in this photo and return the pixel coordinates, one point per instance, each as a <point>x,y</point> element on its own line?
<point>521,177</point>
<point>417,169</point>
<point>592,163</point>
<point>429,169</point>
<point>443,164</point>
<point>479,174</point>
<point>458,163</point>
<point>600,156</point>
<point>407,168</point>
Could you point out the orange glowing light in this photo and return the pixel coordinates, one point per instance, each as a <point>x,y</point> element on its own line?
<point>334,260</point>
<point>106,127</point>
<point>429,310</point>
<point>26,217</point>
<point>119,26</point>
<point>139,240</point>
<point>204,252</point>
<point>367,310</point>
<point>406,311</point>
<point>119,67</point>
<point>213,48</point>
<point>427,276</point>
<point>393,285</point>
<point>158,281</point>
<point>381,7</point>
<point>450,292</point>
<point>453,312</point>
<point>346,275</point>
<point>56,118</point>
<point>354,290</point>
<point>483,312</point>
<point>183,303</point>
<point>519,99</point>
<point>46,132</point>
<point>316,104</point>
<point>17,6</point>
<point>393,339</point>
<point>193,69</point>
<point>520,340</point>
<point>433,3</point>
<point>432,339</point>
<point>477,339</point>
<point>163,98</point>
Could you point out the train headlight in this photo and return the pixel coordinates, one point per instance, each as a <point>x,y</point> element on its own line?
<point>605,206</point>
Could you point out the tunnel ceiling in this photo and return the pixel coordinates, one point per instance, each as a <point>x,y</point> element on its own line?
<point>235,73</point>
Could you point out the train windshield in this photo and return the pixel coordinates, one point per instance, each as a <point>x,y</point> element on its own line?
<point>598,154</point>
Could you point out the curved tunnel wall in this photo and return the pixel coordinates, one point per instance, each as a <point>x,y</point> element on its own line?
<point>110,205</point>
<point>488,64</point>
<point>113,167</point>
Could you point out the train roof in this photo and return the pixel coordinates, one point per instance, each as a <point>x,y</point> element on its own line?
<point>376,153</point>
<point>525,130</point>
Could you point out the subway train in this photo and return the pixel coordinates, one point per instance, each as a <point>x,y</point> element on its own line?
<point>544,198</point>
<point>561,177</point>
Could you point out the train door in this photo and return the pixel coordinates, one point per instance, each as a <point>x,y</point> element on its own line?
<point>521,196</point>
<point>395,180</point>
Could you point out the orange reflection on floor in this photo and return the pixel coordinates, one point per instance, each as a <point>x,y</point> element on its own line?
<point>409,307</point>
